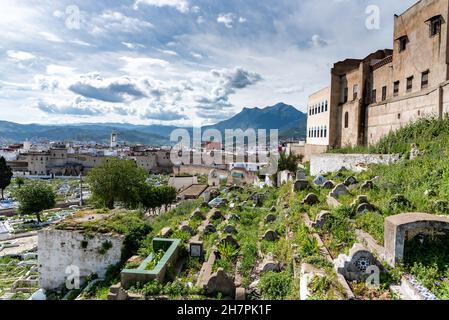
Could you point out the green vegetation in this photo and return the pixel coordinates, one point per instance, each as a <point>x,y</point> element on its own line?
<point>288,162</point>
<point>275,286</point>
<point>5,176</point>
<point>34,198</point>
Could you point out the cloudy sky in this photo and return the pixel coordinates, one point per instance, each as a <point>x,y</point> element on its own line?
<point>174,61</point>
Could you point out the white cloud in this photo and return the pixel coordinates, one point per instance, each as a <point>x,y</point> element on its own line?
<point>180,5</point>
<point>51,37</point>
<point>20,55</point>
<point>53,69</point>
<point>133,45</point>
<point>227,19</point>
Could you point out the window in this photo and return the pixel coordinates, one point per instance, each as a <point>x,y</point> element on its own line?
<point>396,88</point>
<point>355,91</point>
<point>399,116</point>
<point>409,84</point>
<point>325,107</point>
<point>322,107</point>
<point>435,25</point>
<point>374,96</point>
<point>384,93</point>
<point>346,120</point>
<point>322,132</point>
<point>345,95</point>
<point>425,79</point>
<point>325,131</point>
<point>402,43</point>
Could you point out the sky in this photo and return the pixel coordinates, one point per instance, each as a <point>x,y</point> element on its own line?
<point>176,62</point>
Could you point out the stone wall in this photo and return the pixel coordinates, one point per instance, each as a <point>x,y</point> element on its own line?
<point>59,249</point>
<point>328,162</point>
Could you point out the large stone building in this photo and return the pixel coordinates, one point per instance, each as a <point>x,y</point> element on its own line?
<point>58,161</point>
<point>370,97</point>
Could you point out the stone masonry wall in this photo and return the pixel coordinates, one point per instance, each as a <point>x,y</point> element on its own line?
<point>58,249</point>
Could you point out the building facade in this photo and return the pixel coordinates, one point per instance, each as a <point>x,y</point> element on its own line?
<point>370,97</point>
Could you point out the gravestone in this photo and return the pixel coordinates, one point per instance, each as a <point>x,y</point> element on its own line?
<point>270,218</point>
<point>240,294</point>
<point>350,181</point>
<point>311,199</point>
<point>197,215</point>
<point>196,248</point>
<point>166,232</point>
<point>220,282</point>
<point>230,241</point>
<point>270,235</point>
<point>269,264</point>
<point>301,175</point>
<point>319,180</point>
<point>355,265</point>
<point>215,214</point>
<point>321,219</point>
<point>230,229</point>
<point>301,185</point>
<point>184,226</point>
<point>328,185</point>
<point>210,228</point>
<point>339,190</point>
<point>367,185</point>
<point>365,207</point>
<point>273,209</point>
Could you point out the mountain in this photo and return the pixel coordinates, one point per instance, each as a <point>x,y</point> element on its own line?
<point>290,122</point>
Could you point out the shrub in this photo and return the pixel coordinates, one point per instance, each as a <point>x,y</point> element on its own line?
<point>275,286</point>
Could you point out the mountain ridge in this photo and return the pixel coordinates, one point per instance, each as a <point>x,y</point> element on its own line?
<point>290,122</point>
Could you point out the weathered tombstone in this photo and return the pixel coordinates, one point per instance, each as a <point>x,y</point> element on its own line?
<point>230,229</point>
<point>311,199</point>
<point>270,265</point>
<point>340,190</point>
<point>328,185</point>
<point>360,199</point>
<point>301,175</point>
<point>273,209</point>
<point>215,214</point>
<point>354,265</point>
<point>270,218</point>
<point>230,241</point>
<point>307,274</point>
<point>197,215</point>
<point>319,180</point>
<point>301,185</point>
<point>220,282</point>
<point>210,228</point>
<point>321,219</point>
<point>184,226</point>
<point>350,181</point>
<point>196,248</point>
<point>365,207</point>
<point>166,232</point>
<point>367,185</point>
<point>270,235</point>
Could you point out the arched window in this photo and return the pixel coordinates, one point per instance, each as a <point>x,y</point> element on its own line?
<point>322,132</point>
<point>325,106</point>
<point>346,119</point>
<point>325,131</point>
<point>322,107</point>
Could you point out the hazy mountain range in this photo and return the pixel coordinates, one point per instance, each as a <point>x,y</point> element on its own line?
<point>290,122</point>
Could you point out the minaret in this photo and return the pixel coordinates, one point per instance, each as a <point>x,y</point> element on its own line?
<point>113,139</point>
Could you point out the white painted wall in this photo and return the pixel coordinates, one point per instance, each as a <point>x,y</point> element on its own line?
<point>326,163</point>
<point>58,249</point>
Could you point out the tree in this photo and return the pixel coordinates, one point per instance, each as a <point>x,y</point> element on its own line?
<point>117,180</point>
<point>288,162</point>
<point>20,181</point>
<point>167,195</point>
<point>5,175</point>
<point>34,198</point>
